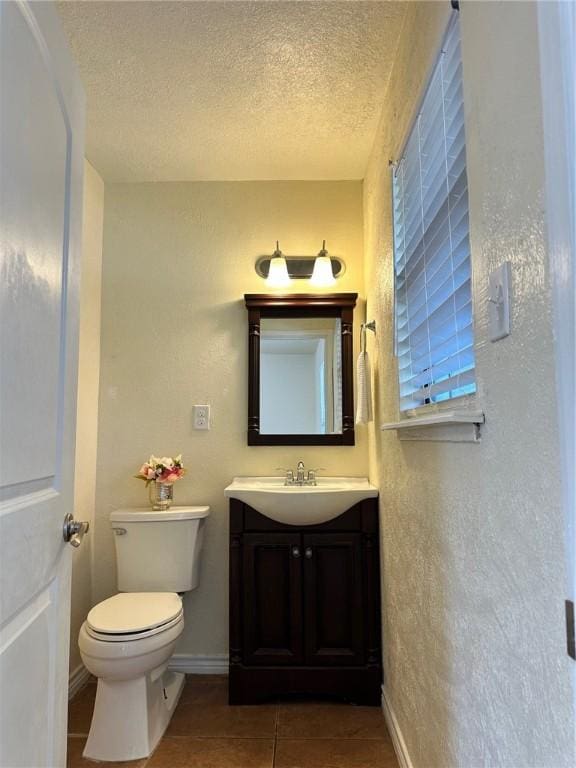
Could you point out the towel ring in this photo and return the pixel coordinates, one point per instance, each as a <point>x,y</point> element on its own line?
<point>371,326</point>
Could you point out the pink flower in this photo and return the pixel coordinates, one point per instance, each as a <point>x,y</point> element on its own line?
<point>161,470</point>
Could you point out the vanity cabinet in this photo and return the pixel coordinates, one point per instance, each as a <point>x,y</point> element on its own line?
<point>304,606</point>
<point>272,598</point>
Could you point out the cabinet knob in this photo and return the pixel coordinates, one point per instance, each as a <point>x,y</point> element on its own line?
<point>295,551</point>
<point>308,553</point>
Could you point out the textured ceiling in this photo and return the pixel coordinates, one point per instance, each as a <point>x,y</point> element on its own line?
<point>181,91</point>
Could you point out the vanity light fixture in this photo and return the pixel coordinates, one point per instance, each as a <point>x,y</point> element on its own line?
<point>299,267</point>
<point>278,276</point>
<point>322,276</point>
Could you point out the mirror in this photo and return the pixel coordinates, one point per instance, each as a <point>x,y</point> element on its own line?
<point>300,369</point>
<point>300,376</point>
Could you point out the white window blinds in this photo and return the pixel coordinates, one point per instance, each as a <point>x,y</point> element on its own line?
<point>433,297</point>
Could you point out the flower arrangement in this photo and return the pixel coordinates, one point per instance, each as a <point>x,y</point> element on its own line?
<point>161,470</point>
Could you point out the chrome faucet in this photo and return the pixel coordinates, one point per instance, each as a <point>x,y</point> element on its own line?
<point>300,478</point>
<point>300,473</point>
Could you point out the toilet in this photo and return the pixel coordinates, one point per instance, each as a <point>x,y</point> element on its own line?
<point>128,639</point>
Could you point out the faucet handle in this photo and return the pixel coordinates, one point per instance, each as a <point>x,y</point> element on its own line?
<point>289,477</point>
<point>312,474</point>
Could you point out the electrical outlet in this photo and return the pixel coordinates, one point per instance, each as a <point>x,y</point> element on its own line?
<point>201,417</point>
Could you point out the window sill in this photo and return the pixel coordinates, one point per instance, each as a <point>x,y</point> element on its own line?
<point>443,426</point>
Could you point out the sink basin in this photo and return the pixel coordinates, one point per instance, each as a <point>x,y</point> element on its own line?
<point>300,504</point>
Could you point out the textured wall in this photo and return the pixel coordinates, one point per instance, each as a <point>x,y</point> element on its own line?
<point>87,411</point>
<point>177,260</point>
<point>476,667</point>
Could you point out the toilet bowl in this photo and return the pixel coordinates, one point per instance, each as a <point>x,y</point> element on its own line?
<point>126,643</point>
<point>128,639</point>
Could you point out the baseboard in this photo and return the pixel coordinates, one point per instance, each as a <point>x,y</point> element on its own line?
<point>192,664</point>
<point>77,680</point>
<point>395,732</point>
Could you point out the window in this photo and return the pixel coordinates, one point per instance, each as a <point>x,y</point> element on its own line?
<point>432,270</point>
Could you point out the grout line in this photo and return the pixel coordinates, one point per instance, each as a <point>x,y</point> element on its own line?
<point>276,721</point>
<point>273,738</point>
<point>207,738</point>
<point>333,738</point>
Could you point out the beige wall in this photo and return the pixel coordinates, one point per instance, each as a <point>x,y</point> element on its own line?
<point>87,410</point>
<point>475,659</point>
<point>178,258</point>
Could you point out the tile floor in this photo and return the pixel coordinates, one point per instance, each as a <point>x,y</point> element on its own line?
<point>205,732</point>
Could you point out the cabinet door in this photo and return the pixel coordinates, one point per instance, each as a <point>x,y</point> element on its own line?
<point>272,591</point>
<point>333,604</point>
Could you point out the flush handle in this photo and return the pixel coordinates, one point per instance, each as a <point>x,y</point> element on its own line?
<point>73,531</point>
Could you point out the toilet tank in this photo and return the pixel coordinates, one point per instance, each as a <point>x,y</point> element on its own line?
<point>158,551</point>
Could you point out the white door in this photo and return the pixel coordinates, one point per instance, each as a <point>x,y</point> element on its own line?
<point>557,33</point>
<point>41,156</point>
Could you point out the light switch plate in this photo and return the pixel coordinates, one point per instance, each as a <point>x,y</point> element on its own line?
<point>201,417</point>
<point>499,284</point>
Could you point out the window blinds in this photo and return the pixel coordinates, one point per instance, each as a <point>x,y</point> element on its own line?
<point>433,296</point>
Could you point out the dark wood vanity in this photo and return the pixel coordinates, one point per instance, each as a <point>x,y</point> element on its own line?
<point>305,606</point>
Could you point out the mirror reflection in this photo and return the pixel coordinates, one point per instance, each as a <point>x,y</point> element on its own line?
<point>300,376</point>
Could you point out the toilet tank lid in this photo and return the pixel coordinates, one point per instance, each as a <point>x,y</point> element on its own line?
<point>147,515</point>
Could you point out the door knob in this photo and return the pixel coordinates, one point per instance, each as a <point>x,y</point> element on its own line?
<point>295,551</point>
<point>73,531</point>
<point>308,553</point>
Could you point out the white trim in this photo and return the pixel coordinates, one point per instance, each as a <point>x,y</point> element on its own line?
<point>445,426</point>
<point>77,680</point>
<point>199,664</point>
<point>444,417</point>
<point>396,734</point>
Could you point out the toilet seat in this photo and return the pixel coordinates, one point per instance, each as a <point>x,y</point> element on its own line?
<point>134,615</point>
<point>124,637</point>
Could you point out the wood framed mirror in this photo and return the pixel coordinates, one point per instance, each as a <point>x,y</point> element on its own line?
<point>300,369</point>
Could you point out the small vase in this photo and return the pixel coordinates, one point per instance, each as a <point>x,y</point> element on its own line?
<point>161,495</point>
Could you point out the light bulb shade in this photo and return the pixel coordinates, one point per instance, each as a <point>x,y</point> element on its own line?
<point>322,276</point>
<point>278,276</point>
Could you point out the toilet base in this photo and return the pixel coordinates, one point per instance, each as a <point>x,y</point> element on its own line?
<point>130,716</point>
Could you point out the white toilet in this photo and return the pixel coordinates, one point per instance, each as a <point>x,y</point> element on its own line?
<point>127,640</point>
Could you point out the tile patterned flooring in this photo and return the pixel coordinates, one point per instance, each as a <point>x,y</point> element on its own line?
<point>205,732</point>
